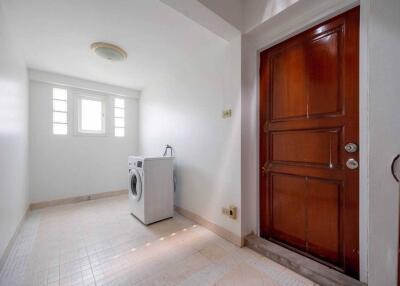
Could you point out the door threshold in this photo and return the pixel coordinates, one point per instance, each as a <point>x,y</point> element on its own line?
<point>316,272</point>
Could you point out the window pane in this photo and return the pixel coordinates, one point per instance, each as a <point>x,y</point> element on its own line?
<point>119,102</point>
<point>119,132</point>
<point>91,115</point>
<point>59,105</point>
<point>59,93</point>
<point>119,122</point>
<point>60,117</point>
<point>60,129</point>
<point>119,112</point>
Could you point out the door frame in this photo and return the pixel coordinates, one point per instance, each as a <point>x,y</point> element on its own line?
<point>363,117</point>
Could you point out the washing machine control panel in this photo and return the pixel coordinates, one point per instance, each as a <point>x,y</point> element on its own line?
<point>137,164</point>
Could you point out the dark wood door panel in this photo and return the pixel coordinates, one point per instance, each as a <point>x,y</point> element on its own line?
<point>324,84</point>
<point>315,208</point>
<point>318,147</point>
<point>324,225</point>
<point>310,171</point>
<point>311,123</point>
<point>288,199</point>
<point>289,85</point>
<point>308,113</point>
<point>307,76</point>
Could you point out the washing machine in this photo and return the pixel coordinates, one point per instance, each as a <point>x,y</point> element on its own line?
<point>151,188</point>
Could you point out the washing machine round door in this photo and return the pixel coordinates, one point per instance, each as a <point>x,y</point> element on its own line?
<point>136,185</point>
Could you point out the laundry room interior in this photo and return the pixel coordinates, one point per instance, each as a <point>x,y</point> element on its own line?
<point>199,142</point>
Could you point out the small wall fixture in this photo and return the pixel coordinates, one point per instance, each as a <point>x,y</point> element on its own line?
<point>109,51</point>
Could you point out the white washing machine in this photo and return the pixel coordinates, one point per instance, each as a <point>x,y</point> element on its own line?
<point>151,188</point>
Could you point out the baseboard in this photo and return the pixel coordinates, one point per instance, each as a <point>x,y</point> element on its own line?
<point>78,199</point>
<point>218,230</point>
<point>313,270</point>
<point>10,244</point>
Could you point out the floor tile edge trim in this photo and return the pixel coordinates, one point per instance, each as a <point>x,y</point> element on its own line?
<point>218,230</point>
<point>10,244</point>
<point>58,202</point>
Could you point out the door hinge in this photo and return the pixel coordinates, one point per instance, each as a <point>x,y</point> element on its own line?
<point>264,170</point>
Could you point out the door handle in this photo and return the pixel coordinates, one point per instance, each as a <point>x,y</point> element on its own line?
<point>392,167</point>
<point>352,164</point>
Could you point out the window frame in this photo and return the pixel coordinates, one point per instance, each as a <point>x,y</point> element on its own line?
<point>78,114</point>
<point>67,112</point>
<point>114,107</point>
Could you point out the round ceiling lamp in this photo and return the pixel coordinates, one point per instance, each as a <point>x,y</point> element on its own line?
<point>109,51</point>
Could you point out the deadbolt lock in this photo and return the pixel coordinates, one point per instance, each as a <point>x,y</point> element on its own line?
<point>351,148</point>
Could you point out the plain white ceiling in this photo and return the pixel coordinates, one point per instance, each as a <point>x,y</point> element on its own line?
<point>55,36</point>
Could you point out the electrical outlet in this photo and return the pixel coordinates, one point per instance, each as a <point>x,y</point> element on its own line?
<point>227,113</point>
<point>231,211</point>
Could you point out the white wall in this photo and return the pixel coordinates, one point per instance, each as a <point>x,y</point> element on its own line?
<point>184,109</point>
<point>13,136</point>
<point>69,166</point>
<point>202,15</point>
<point>383,66</point>
<point>230,10</point>
<point>245,15</point>
<point>256,12</point>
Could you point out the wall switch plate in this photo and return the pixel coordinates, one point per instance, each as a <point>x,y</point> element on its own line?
<point>227,113</point>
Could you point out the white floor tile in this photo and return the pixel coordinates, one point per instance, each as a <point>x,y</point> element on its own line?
<point>99,243</point>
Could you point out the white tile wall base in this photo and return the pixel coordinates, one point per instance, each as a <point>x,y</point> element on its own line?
<point>100,243</point>
<point>222,232</point>
<point>40,205</point>
<point>7,251</point>
<point>16,263</point>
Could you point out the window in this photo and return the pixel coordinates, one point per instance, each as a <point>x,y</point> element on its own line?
<point>91,115</point>
<point>60,111</point>
<point>119,117</point>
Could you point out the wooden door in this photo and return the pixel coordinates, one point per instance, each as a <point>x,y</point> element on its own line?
<point>308,113</point>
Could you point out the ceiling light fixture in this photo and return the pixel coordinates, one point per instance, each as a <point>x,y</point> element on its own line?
<point>109,51</point>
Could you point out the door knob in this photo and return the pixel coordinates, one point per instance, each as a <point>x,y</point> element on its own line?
<point>351,147</point>
<point>352,164</point>
<point>393,168</point>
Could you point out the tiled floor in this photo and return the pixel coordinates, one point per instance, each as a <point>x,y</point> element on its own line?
<point>99,243</point>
